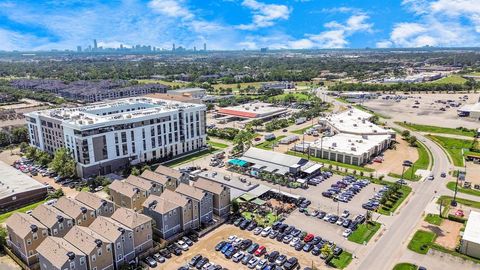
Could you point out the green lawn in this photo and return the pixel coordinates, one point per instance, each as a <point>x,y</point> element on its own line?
<point>331,162</point>
<point>5,216</point>
<point>433,219</point>
<point>341,261</point>
<point>391,206</point>
<point>436,129</point>
<point>191,157</point>
<point>267,145</point>
<point>364,232</point>
<point>421,241</point>
<point>448,199</point>
<point>453,147</point>
<point>270,218</point>
<point>217,144</point>
<point>422,163</point>
<point>451,186</point>
<point>405,266</point>
<point>299,97</point>
<point>171,84</point>
<point>454,79</point>
<point>301,131</point>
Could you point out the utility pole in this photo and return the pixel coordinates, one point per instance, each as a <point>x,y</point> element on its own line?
<point>454,202</point>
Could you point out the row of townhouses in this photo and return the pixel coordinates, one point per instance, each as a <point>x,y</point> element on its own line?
<point>175,203</point>
<point>92,233</point>
<point>85,233</point>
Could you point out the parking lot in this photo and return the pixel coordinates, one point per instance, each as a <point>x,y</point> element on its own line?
<point>206,247</point>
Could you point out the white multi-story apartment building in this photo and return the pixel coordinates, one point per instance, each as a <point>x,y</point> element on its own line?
<point>108,136</point>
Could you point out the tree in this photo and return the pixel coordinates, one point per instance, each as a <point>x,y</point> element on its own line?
<point>145,167</point>
<point>31,152</point>
<point>43,158</point>
<point>63,163</point>
<point>327,251</point>
<point>23,147</point>
<point>57,194</point>
<point>235,206</point>
<point>3,238</point>
<point>243,140</point>
<point>405,134</point>
<point>135,171</point>
<point>256,123</point>
<point>19,134</point>
<point>412,140</point>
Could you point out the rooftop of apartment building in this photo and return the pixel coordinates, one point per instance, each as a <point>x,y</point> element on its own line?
<point>48,215</point>
<point>58,250</point>
<point>159,204</point>
<point>23,224</point>
<point>71,207</point>
<point>190,191</point>
<point>114,110</point>
<point>210,186</point>
<point>139,182</point>
<point>130,218</point>
<point>90,199</point>
<point>155,177</point>
<point>108,228</point>
<point>85,239</point>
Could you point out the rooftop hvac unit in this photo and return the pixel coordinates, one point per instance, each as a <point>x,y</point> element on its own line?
<point>354,125</point>
<point>360,141</point>
<point>341,120</point>
<point>353,149</point>
<point>334,144</point>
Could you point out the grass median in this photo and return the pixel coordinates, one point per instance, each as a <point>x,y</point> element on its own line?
<point>391,205</point>
<point>441,130</point>
<point>405,266</point>
<point>451,186</point>
<point>341,261</point>
<point>364,232</point>
<point>448,199</point>
<point>421,241</point>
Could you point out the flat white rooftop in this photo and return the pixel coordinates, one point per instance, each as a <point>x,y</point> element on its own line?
<point>355,121</point>
<point>355,145</point>
<point>108,111</point>
<point>14,182</point>
<point>472,231</point>
<point>252,110</point>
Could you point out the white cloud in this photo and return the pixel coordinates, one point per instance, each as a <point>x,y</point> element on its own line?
<point>171,8</point>
<point>447,23</point>
<point>264,15</point>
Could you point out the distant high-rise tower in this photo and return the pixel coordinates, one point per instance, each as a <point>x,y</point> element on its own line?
<point>79,48</point>
<point>95,44</point>
<point>205,46</point>
<point>173,47</point>
<point>194,48</point>
<point>121,46</point>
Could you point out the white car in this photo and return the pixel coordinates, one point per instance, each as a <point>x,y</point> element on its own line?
<point>206,266</point>
<point>345,214</point>
<point>257,230</point>
<point>266,231</point>
<point>340,221</point>
<point>347,233</point>
<point>327,217</point>
<point>431,177</point>
<point>232,238</point>
<point>182,245</point>
<point>237,241</point>
<point>294,241</point>
<point>261,264</point>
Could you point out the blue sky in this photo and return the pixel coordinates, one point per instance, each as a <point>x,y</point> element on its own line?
<point>239,24</point>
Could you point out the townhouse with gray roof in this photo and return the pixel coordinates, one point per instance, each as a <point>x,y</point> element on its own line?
<point>146,186</point>
<point>140,224</point>
<point>25,234</point>
<point>82,215</point>
<point>127,195</point>
<point>56,253</point>
<point>119,235</point>
<point>202,201</point>
<point>98,249</point>
<point>173,174</point>
<point>221,195</point>
<point>189,218</point>
<point>57,222</point>
<point>166,215</point>
<point>164,181</point>
<point>101,206</point>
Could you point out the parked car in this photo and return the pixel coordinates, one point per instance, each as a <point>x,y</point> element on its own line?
<point>150,262</point>
<point>260,251</point>
<point>195,260</point>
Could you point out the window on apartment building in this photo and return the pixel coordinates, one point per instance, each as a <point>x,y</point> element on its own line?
<point>55,231</point>
<point>130,235</point>
<point>116,137</point>
<point>124,149</point>
<point>119,257</point>
<point>119,246</point>
<point>29,241</point>
<point>30,253</point>
<point>44,232</point>
<point>94,258</point>
<point>109,248</point>
<point>69,223</point>
<point>99,252</point>
<point>72,265</point>
<point>124,137</point>
<point>82,260</point>
<point>118,150</point>
<point>84,217</point>
<point>79,222</point>
<point>149,237</point>
<point>35,236</point>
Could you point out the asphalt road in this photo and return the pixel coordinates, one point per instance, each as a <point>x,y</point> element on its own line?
<point>392,244</point>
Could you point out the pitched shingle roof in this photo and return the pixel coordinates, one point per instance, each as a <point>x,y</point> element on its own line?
<point>108,228</point>
<point>139,182</point>
<point>160,205</point>
<point>22,224</point>
<point>85,239</point>
<point>167,171</point>
<point>70,207</point>
<point>174,197</point>
<point>90,199</point>
<point>55,250</point>
<point>130,218</point>
<point>126,189</point>
<point>48,215</point>
<point>190,191</point>
<point>211,186</point>
<point>155,177</point>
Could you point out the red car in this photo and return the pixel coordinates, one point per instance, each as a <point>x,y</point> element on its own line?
<point>260,251</point>
<point>309,237</point>
<point>459,213</point>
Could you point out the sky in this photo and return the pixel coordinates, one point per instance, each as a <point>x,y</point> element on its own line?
<point>239,24</point>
